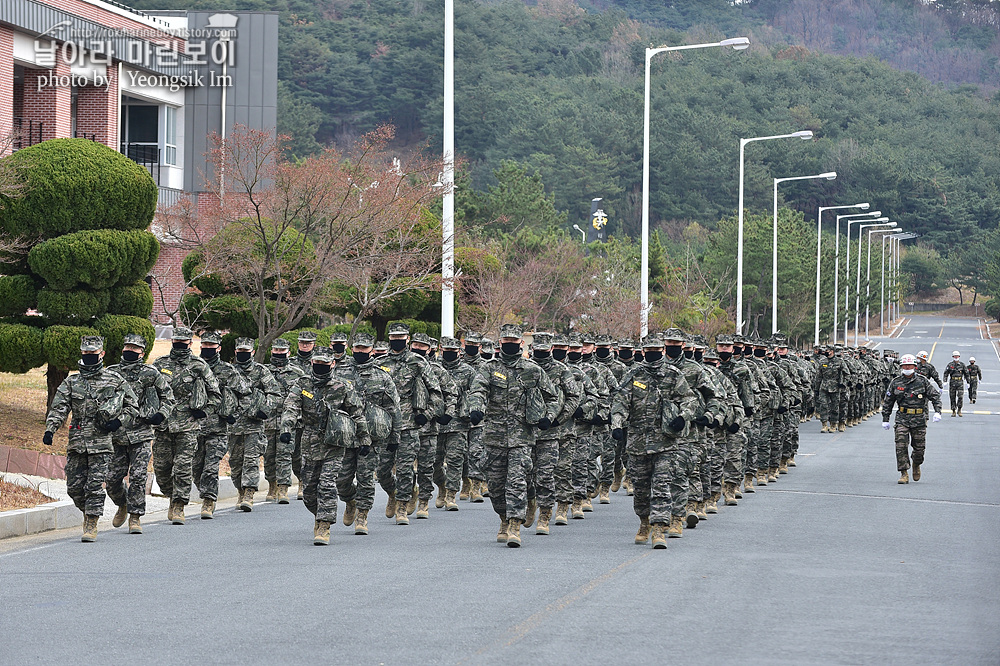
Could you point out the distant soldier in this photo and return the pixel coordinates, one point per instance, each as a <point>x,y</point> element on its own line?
<point>911,392</point>
<point>956,375</point>
<point>611,465</point>
<point>100,402</point>
<point>279,461</point>
<point>427,472</point>
<point>927,369</point>
<point>134,444</point>
<point>455,434</point>
<point>305,344</point>
<point>975,374</point>
<point>474,479</point>
<point>625,353</point>
<point>742,381</point>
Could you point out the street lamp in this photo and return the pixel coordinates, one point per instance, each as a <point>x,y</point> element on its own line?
<point>584,233</point>
<point>738,44</point>
<point>868,278</point>
<point>857,287</point>
<point>448,177</point>
<point>836,267</point>
<point>901,236</point>
<point>803,134</point>
<point>830,175</point>
<point>819,242</point>
<point>847,264</point>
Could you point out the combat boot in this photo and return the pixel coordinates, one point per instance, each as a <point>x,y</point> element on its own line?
<point>700,509</point>
<point>120,516</point>
<point>134,524</point>
<point>617,483</point>
<point>712,505</point>
<point>272,492</point>
<point>401,518</point>
<point>463,494</point>
<point>170,509</point>
<point>423,509</point>
<point>301,489</point>
<point>791,460</point>
<point>953,412</point>
<point>178,518</point>
<point>89,529</point>
<point>529,514</point>
<point>842,427</point>
<point>514,533</point>
<point>783,466</point>
<point>502,532</point>
<point>544,516</point>
<point>826,427</point>
<point>692,515</point>
<point>629,488</point>
<point>676,528</point>
<point>578,509</point>
<point>960,411</point>
<point>439,500</point>
<point>449,501</point>
<point>592,493</point>
<point>772,474</point>
<point>587,505</point>
<point>762,477</point>
<point>321,533</point>
<point>390,506</point>
<point>484,489</point>
<point>748,483</point>
<point>411,505</point>
<point>604,493</point>
<point>738,491</point>
<point>730,494</point>
<point>476,491</point>
<point>642,536</point>
<point>207,509</point>
<point>361,523</point>
<point>350,512</point>
<point>562,509</point>
<point>282,494</point>
<point>904,477</point>
<point>659,540</point>
<point>916,472</point>
<point>247,503</point>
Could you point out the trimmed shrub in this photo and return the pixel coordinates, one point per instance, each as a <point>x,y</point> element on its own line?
<point>209,284</point>
<point>230,313</point>
<point>135,300</point>
<point>364,327</point>
<point>61,344</point>
<point>96,258</point>
<point>70,307</point>
<point>20,348</point>
<point>416,326</point>
<point>18,294</point>
<point>113,329</point>
<point>76,184</point>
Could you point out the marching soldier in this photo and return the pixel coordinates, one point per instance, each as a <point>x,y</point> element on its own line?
<point>975,374</point>
<point>956,375</point>
<point>474,479</point>
<point>455,434</point>
<point>742,380</point>
<point>910,392</point>
<point>927,369</point>
<point>427,453</point>
<point>279,463</point>
<point>612,467</point>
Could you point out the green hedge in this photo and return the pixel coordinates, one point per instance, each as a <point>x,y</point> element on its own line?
<point>96,258</point>
<point>61,344</point>
<point>76,184</point>
<point>230,313</point>
<point>135,300</point>
<point>20,348</point>
<point>209,284</point>
<point>113,329</point>
<point>18,294</point>
<point>416,326</point>
<point>75,306</point>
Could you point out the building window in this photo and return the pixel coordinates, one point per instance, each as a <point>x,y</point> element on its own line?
<point>170,136</point>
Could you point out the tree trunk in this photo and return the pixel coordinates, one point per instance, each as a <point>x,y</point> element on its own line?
<point>54,376</point>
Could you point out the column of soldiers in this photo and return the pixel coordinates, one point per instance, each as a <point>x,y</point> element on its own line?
<point>541,431</point>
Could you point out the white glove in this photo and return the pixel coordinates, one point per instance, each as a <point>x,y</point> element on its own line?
<point>885,425</point>
<point>936,417</point>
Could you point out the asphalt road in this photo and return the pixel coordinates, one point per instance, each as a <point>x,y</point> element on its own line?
<point>836,563</point>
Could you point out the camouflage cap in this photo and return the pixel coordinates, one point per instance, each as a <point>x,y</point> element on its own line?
<point>711,355</point>
<point>381,345</point>
<point>91,343</point>
<point>542,341</point>
<point>575,341</point>
<point>448,342</point>
<point>700,341</point>
<point>245,343</point>
<point>604,340</point>
<point>739,339</point>
<point>363,340</point>
<point>280,343</point>
<point>511,331</point>
<point>338,337</point>
<point>673,334</point>
<point>488,345</point>
<point>135,340</point>
<point>422,338</point>
<point>780,340</point>
<point>652,341</point>
<point>398,328</point>
<point>589,338</point>
<point>724,339</point>
<point>212,338</point>
<point>307,336</point>
<point>473,337</point>
<point>181,333</point>
<point>434,341</point>
<point>626,343</point>
<point>321,355</point>
<point>560,340</point>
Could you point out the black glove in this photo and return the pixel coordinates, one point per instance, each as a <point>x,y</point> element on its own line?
<point>555,423</point>
<point>782,410</point>
<point>393,445</point>
<point>112,425</point>
<point>285,437</point>
<point>796,403</point>
<point>617,434</point>
<point>198,414</point>
<point>444,419</point>
<point>544,423</point>
<point>748,411</point>
<point>597,420</point>
<point>363,451</point>
<point>733,429</point>
<point>702,420</point>
<point>714,424</point>
<point>420,419</point>
<point>841,386</point>
<point>578,414</point>
<point>260,415</point>
<point>677,424</point>
<point>476,417</point>
<point>155,419</point>
<point>230,419</point>
<point>47,438</point>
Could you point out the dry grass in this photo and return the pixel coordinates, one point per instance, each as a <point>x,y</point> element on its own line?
<point>22,413</point>
<point>14,496</point>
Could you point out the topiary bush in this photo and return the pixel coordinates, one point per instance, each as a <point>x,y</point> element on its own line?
<point>209,284</point>
<point>97,258</point>
<point>18,294</point>
<point>135,300</point>
<point>113,329</point>
<point>20,348</point>
<point>72,307</point>
<point>61,344</point>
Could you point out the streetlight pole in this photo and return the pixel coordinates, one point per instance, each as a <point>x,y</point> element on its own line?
<point>738,44</point>
<point>830,175</point>
<point>868,278</point>
<point>836,269</point>
<point>819,242</point>
<point>847,270</point>
<point>582,233</point>
<point>857,287</point>
<point>448,177</point>
<point>892,238</point>
<point>803,134</point>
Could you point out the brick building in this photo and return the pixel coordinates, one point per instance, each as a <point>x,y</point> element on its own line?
<point>152,85</point>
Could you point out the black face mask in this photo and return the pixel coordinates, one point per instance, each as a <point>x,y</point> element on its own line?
<point>602,352</point>
<point>653,355</point>
<point>422,352</point>
<point>698,355</point>
<point>397,345</point>
<point>209,353</point>
<point>90,359</point>
<point>625,354</point>
<point>339,347</point>
<point>587,357</point>
<point>487,356</point>
<point>449,355</point>
<point>541,353</point>
<point>130,356</point>
<point>574,355</point>
<point>361,357</point>
<point>243,356</point>
<point>510,348</point>
<point>737,350</point>
<point>305,354</point>
<point>321,369</point>
<point>472,350</point>
<point>276,357</point>
<point>638,356</point>
<point>725,356</point>
<point>179,345</point>
<point>689,354</point>
<point>559,354</point>
<point>673,351</point>
<point>760,353</point>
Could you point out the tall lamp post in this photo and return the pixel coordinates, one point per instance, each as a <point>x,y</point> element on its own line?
<point>857,286</point>
<point>891,237</point>
<point>803,134</point>
<point>868,278</point>
<point>448,177</point>
<point>847,268</point>
<point>738,44</point>
<point>830,175</point>
<point>836,268</point>
<point>819,243</point>
<point>582,233</point>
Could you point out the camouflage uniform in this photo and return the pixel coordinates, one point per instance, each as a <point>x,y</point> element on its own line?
<point>742,381</point>
<point>429,472</point>
<point>955,374</point>
<point>474,450</point>
<point>624,356</point>
<point>799,388</point>
<point>570,475</point>
<point>133,445</point>
<point>585,427</point>
<point>911,394</point>
<point>196,392</point>
<point>613,370</point>
<point>302,360</point>
<point>827,385</point>
<point>278,454</point>
<point>246,436</point>
<point>975,374</point>
<point>101,402</point>
<point>455,434</point>
<point>927,369</point>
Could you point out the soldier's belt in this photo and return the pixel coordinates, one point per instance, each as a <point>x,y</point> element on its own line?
<point>912,411</point>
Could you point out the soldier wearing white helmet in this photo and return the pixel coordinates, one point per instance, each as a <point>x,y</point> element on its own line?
<point>956,375</point>
<point>927,369</point>
<point>911,392</point>
<point>974,373</point>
